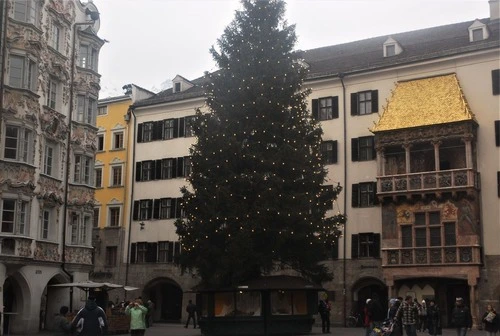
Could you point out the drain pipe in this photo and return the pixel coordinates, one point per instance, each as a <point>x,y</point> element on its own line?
<point>344,266</point>
<point>131,208</point>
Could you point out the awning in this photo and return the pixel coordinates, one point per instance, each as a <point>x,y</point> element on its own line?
<point>87,285</point>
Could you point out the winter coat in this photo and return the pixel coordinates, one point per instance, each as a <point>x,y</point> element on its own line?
<point>434,320</point>
<point>408,313</point>
<point>492,326</point>
<point>93,316</point>
<point>461,317</point>
<point>137,317</point>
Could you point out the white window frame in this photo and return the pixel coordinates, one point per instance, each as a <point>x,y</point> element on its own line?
<point>52,93</point>
<point>112,175</point>
<point>102,110</point>
<point>83,169</point>
<point>116,133</point>
<point>26,11</point>
<point>48,225</point>
<point>114,207</point>
<point>20,218</point>
<point>55,36</point>
<point>24,143</point>
<point>87,57</point>
<point>80,224</point>
<point>97,216</point>
<point>98,173</point>
<point>51,168</point>
<point>103,137</point>
<point>27,73</point>
<point>86,109</point>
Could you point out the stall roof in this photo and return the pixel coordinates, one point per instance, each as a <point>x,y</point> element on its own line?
<point>86,285</point>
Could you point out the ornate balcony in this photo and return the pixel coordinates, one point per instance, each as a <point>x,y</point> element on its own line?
<point>431,256</point>
<point>436,181</point>
<point>16,246</point>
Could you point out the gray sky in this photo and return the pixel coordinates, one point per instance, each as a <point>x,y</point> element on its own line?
<point>152,41</point>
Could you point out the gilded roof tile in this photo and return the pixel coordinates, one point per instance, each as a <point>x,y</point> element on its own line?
<point>423,102</point>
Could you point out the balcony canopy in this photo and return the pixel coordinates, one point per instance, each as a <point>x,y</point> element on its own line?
<point>424,102</point>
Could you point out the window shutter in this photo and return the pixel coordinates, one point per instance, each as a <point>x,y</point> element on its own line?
<point>174,167</point>
<point>150,209</point>
<point>158,130</point>
<point>374,151</point>
<point>152,252</point>
<point>170,255</point>
<point>354,104</point>
<point>376,245</point>
<point>354,246</point>
<point>315,108</point>
<point>375,198</point>
<point>375,101</point>
<point>139,133</point>
<point>335,151</point>
<point>355,196</point>
<point>157,168</point>
<point>182,122</point>
<point>335,251</point>
<point>335,107</point>
<point>498,184</point>
<point>495,81</point>
<point>355,149</point>
<point>497,133</point>
<point>138,171</point>
<point>180,166</point>
<point>135,215</point>
<point>156,208</point>
<point>177,250</point>
<point>176,128</point>
<point>178,207</point>
<point>132,253</point>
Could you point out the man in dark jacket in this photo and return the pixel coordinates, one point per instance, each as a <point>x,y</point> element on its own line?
<point>461,317</point>
<point>191,310</point>
<point>93,319</point>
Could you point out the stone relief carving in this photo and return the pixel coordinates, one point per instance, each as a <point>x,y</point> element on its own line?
<point>85,139</point>
<point>23,247</point>
<point>24,105</point>
<point>81,196</point>
<point>50,189</point>
<point>78,255</point>
<point>17,176</point>
<point>47,252</point>
<point>54,124</point>
<point>65,9</point>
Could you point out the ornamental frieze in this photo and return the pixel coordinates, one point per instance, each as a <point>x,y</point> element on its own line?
<point>54,124</point>
<point>23,247</point>
<point>50,189</point>
<point>25,106</point>
<point>84,138</point>
<point>81,196</point>
<point>24,38</point>
<point>16,175</point>
<point>78,255</point>
<point>87,82</point>
<point>47,252</point>
<point>64,9</point>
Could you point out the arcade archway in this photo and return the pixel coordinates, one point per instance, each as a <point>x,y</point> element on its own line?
<point>166,294</point>
<point>16,300</point>
<point>368,288</point>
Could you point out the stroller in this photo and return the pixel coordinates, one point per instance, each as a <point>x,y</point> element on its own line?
<point>385,330</point>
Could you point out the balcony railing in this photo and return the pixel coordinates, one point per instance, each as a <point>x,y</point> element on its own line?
<point>435,256</point>
<point>428,181</point>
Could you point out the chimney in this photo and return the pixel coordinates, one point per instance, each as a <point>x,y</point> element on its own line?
<point>494,9</point>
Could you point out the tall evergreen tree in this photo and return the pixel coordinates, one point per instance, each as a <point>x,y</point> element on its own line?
<point>256,201</point>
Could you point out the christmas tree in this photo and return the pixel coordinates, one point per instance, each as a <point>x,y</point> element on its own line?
<point>257,203</point>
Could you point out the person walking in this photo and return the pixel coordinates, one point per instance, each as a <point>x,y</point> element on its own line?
<point>90,320</point>
<point>408,313</point>
<point>491,321</point>
<point>191,310</point>
<point>461,317</point>
<point>324,309</point>
<point>137,313</point>
<point>368,317</point>
<point>422,317</point>
<point>391,315</point>
<point>149,315</point>
<point>433,319</point>
<point>61,323</point>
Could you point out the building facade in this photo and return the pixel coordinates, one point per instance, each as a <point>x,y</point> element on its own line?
<point>113,183</point>
<point>411,131</point>
<point>48,98</point>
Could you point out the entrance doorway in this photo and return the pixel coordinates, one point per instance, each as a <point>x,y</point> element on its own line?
<point>166,294</point>
<point>368,288</point>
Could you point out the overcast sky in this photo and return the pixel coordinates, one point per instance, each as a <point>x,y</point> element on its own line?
<point>152,41</point>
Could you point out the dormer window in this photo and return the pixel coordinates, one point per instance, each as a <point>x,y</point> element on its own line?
<point>177,87</point>
<point>392,47</point>
<point>181,84</point>
<point>478,31</point>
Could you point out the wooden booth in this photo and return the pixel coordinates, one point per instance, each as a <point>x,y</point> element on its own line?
<point>273,305</point>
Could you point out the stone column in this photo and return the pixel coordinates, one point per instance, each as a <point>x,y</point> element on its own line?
<point>407,158</point>
<point>380,161</point>
<point>436,145</point>
<point>468,151</point>
<point>3,276</point>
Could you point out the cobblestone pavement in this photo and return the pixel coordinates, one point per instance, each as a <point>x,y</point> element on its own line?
<point>175,329</point>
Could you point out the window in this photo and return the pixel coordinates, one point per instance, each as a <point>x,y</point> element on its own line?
<point>114,216</point>
<point>428,230</point>
<point>450,236</point>
<point>100,142</point>
<point>50,160</point>
<point>168,129</point>
<point>147,132</point>
<point>188,126</point>
<point>46,217</point>
<point>188,166</point>
<point>495,81</point>
<point>329,152</point>
<point>365,245</point>
<point>86,109</point>
<point>177,87</point>
<point>111,255</point>
<point>163,251</point>
<point>147,171</point>
<point>477,34</point>
<point>166,208</point>
<point>406,236</point>
<point>141,252</point>
<point>102,110</point>
<point>96,217</point>
<point>26,11</point>
<point>498,183</point>
<point>82,169</point>
<point>326,108</point>
<point>23,72</point>
<point>15,216</point>
<point>19,144</point>
<point>80,224</point>
<point>87,57</point>
<point>364,194</point>
<point>116,176</point>
<point>118,140</point>
<point>98,177</point>
<point>55,38</point>
<point>143,210</point>
<point>167,169</point>
<point>52,89</point>
<point>365,102</point>
<point>390,50</point>
<point>363,148</point>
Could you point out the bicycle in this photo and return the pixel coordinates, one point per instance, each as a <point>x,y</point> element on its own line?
<point>353,320</point>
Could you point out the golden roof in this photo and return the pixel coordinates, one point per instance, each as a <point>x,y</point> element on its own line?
<point>423,102</point>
